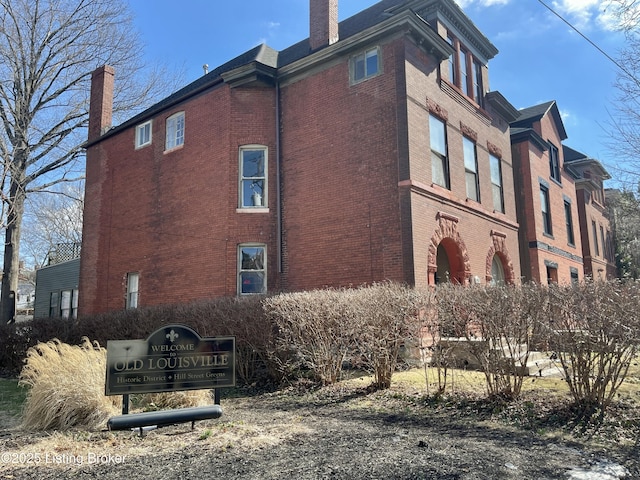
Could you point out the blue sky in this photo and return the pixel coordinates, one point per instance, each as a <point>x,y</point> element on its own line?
<point>540,57</point>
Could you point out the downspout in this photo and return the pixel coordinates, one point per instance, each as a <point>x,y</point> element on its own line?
<point>278,184</point>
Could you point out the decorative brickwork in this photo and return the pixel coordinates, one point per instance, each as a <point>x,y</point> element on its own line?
<point>468,132</point>
<point>437,109</point>
<point>494,150</point>
<point>457,252</point>
<point>499,248</point>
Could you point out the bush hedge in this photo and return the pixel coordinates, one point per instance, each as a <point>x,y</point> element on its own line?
<point>592,327</point>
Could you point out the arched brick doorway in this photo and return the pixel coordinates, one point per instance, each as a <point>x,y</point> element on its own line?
<point>448,258</point>
<point>499,252</point>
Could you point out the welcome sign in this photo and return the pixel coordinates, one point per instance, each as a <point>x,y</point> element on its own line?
<point>173,358</point>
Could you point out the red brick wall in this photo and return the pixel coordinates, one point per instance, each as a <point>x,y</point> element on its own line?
<point>171,216</point>
<point>340,170</point>
<point>475,220</point>
<point>554,249</point>
<point>601,264</point>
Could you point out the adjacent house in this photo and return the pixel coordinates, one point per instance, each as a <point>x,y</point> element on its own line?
<point>564,233</point>
<point>598,249</point>
<point>372,150</point>
<point>56,291</point>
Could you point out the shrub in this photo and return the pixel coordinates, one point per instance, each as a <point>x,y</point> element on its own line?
<point>318,327</point>
<point>66,386</point>
<point>594,327</point>
<point>387,317</point>
<point>497,325</point>
<point>171,400</point>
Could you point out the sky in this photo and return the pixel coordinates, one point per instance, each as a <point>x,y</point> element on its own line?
<point>540,57</point>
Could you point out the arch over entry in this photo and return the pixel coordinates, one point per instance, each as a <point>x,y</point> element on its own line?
<point>451,244</point>
<point>499,249</point>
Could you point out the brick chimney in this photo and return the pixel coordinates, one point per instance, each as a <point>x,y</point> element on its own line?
<point>101,102</point>
<point>323,15</point>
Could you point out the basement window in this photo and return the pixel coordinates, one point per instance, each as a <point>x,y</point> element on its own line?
<point>365,65</point>
<point>252,269</point>
<point>133,281</point>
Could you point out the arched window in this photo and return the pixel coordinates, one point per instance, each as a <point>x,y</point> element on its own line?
<point>497,271</point>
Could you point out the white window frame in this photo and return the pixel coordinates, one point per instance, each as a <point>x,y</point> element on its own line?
<point>255,199</point>
<point>495,166</point>
<point>74,304</point>
<point>364,58</point>
<point>175,128</point>
<point>54,304</point>
<point>439,159</point>
<point>470,154</point>
<point>244,271</point>
<point>65,303</point>
<point>133,290</point>
<point>143,134</point>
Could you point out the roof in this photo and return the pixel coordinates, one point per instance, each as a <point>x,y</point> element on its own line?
<point>268,60</point>
<point>520,134</point>
<point>574,160</point>
<point>528,116</point>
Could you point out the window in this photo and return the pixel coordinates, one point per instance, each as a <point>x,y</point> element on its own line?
<point>439,160</point>
<point>452,62</point>
<point>365,65</point>
<point>74,304</point>
<point>133,280</point>
<point>252,269</point>
<point>464,77</point>
<point>552,274</point>
<point>175,131</point>
<point>497,272</point>
<point>574,275</point>
<point>496,183</point>
<point>143,134</point>
<point>65,303</point>
<point>477,81</point>
<point>602,242</point>
<point>594,231</point>
<point>546,211</point>
<point>554,163</point>
<point>465,71</point>
<point>53,305</point>
<point>253,177</point>
<point>569,222</point>
<point>471,169</point>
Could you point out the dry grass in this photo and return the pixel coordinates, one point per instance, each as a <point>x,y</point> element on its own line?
<point>66,387</point>
<point>169,400</point>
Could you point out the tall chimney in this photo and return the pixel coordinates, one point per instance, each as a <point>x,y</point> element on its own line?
<point>323,16</point>
<point>101,101</point>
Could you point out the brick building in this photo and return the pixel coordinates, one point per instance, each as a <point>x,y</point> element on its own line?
<point>564,234</point>
<point>369,151</point>
<point>598,249</point>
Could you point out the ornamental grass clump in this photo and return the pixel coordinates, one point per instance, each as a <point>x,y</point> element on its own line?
<point>66,387</point>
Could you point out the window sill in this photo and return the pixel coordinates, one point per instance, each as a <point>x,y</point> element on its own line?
<point>140,147</point>
<point>173,149</point>
<point>548,235</point>
<point>557,182</point>
<point>252,210</point>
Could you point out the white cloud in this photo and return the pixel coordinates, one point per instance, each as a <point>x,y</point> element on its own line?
<point>568,118</point>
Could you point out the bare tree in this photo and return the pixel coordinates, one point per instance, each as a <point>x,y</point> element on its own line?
<point>52,219</point>
<point>624,122</point>
<point>623,209</point>
<point>49,49</point>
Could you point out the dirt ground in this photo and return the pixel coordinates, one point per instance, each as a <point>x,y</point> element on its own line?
<point>339,432</point>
